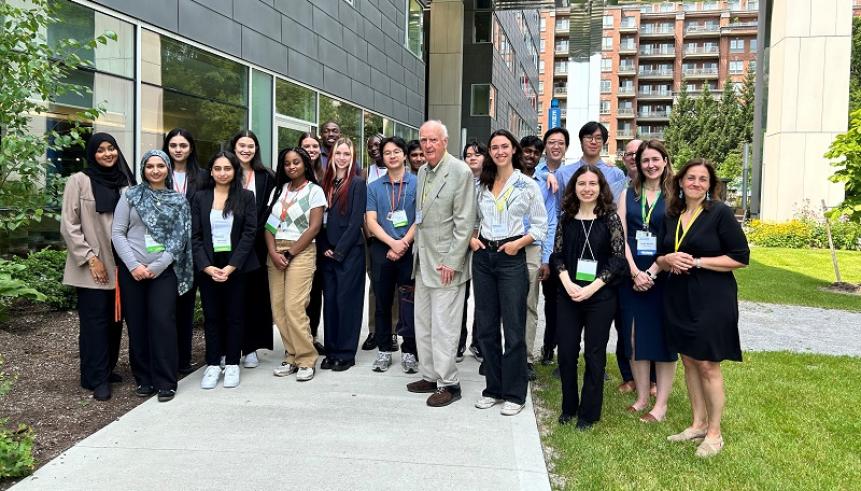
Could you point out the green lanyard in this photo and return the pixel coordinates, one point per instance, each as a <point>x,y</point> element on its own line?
<point>647,217</point>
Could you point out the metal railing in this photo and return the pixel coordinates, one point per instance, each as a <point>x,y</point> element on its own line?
<point>655,93</point>
<point>644,72</point>
<point>657,30</point>
<point>654,114</point>
<point>624,134</point>
<point>700,71</point>
<point>702,50</point>
<point>625,91</point>
<point>657,50</point>
<point>702,28</point>
<point>560,90</point>
<point>627,68</point>
<point>652,135</point>
<point>625,111</point>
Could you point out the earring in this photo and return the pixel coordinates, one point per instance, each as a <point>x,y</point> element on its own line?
<point>681,194</point>
<point>708,196</point>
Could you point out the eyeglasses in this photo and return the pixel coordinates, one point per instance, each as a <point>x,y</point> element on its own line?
<point>627,154</point>
<point>389,153</point>
<point>593,139</point>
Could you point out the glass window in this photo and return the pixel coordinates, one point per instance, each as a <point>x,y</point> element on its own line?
<point>483,4</point>
<point>348,117</point>
<point>541,66</point>
<point>607,43</point>
<point>752,45</point>
<point>415,28</point>
<point>187,87</point>
<point>751,65</point>
<point>541,87</point>
<point>81,23</point>
<point>605,107</point>
<point>543,45</point>
<point>482,100</point>
<point>543,23</point>
<point>608,21</point>
<point>482,27</point>
<point>261,112</point>
<point>606,64</point>
<point>374,125</point>
<point>295,101</point>
<point>605,86</point>
<point>736,45</point>
<point>736,66</point>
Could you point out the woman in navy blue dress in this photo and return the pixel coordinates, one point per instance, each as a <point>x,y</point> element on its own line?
<point>642,210</point>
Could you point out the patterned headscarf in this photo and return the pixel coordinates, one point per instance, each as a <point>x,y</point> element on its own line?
<point>167,218</point>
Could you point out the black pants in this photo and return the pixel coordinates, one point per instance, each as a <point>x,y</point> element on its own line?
<point>185,325</point>
<point>461,345</point>
<point>150,312</point>
<point>386,277</point>
<point>621,359</point>
<point>501,286</point>
<point>99,339</point>
<point>550,286</point>
<point>594,317</point>
<point>257,327</point>
<point>223,313</point>
<point>343,303</point>
<point>314,309</point>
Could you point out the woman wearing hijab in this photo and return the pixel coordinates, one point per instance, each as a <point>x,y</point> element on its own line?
<point>152,236</point>
<point>87,215</point>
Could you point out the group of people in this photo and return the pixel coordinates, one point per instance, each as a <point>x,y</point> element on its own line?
<point>651,251</point>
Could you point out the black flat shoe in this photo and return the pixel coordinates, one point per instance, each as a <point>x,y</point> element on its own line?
<point>530,372</point>
<point>370,343</point>
<point>186,370</point>
<point>102,392</point>
<point>327,363</point>
<point>583,425</point>
<point>546,356</point>
<point>340,366</point>
<point>564,419</point>
<point>321,350</point>
<point>481,369</point>
<point>144,391</point>
<point>165,395</point>
<point>115,378</point>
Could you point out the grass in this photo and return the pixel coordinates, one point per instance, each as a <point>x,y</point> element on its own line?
<point>791,422</point>
<point>796,276</point>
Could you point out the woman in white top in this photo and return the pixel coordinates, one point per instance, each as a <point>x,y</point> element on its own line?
<point>499,275</point>
<point>296,208</point>
<point>223,230</point>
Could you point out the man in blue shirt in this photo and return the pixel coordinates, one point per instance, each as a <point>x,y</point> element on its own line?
<point>592,137</point>
<point>537,253</point>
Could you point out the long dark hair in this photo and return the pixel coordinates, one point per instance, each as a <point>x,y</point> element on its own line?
<point>339,193</point>
<point>193,174</point>
<point>233,203</point>
<point>488,168</point>
<point>316,164</point>
<point>676,203</point>
<point>281,174</point>
<point>666,176</point>
<point>571,203</point>
<point>256,162</point>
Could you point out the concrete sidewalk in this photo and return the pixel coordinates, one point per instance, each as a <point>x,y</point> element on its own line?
<point>350,430</point>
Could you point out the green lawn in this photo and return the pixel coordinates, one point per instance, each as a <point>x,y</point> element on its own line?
<point>795,276</point>
<point>792,422</point>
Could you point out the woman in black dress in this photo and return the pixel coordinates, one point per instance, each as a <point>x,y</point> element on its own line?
<point>700,244</point>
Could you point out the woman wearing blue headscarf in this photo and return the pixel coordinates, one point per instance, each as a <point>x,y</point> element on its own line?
<point>152,236</point>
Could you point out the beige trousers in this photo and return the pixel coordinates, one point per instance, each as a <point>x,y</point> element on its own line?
<point>438,313</point>
<point>290,292</point>
<point>533,262</point>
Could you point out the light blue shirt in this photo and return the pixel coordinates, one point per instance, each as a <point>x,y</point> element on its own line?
<point>550,205</point>
<point>382,192</point>
<point>614,176</point>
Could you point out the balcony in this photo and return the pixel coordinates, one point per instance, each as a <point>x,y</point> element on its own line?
<point>628,49</point>
<point>656,74</point>
<point>701,51</point>
<point>560,72</point>
<point>560,92</point>
<point>702,30</point>
<point>651,135</point>
<point>563,113</point>
<point>735,28</point>
<point>653,115</point>
<point>625,113</point>
<point>625,92</point>
<point>628,26</point>
<point>624,134</point>
<point>657,51</point>
<point>655,94</point>
<point>627,69</point>
<point>692,73</point>
<point>651,32</point>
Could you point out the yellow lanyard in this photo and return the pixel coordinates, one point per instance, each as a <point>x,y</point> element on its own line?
<point>686,229</point>
<point>647,218</point>
<point>503,200</point>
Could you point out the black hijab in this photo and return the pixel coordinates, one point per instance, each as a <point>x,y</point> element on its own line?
<point>107,181</point>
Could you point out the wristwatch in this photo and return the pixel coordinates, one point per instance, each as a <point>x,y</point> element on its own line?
<point>288,254</point>
<point>651,275</point>
<point>698,262</point>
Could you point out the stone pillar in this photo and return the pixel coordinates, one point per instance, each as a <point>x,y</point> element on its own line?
<point>445,68</point>
<point>808,101</point>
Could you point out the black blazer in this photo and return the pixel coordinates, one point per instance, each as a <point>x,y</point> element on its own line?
<point>241,235</point>
<point>343,231</point>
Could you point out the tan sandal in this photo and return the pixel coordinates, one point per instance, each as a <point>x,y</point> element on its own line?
<point>710,448</point>
<point>688,435</point>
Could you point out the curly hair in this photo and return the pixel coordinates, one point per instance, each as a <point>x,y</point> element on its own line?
<point>676,203</point>
<point>571,203</point>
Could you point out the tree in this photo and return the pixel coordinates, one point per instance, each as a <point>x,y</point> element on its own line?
<point>34,74</point>
<point>682,128</point>
<point>847,148</point>
<point>855,67</point>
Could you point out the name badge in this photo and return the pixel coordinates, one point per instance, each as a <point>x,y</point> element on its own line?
<point>587,270</point>
<point>647,243</point>
<point>419,216</point>
<point>399,218</point>
<point>152,246</point>
<point>221,243</point>
<point>499,230</point>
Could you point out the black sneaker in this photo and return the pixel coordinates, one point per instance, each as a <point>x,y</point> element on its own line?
<point>186,370</point>
<point>481,369</point>
<point>340,366</point>
<point>327,363</point>
<point>530,372</point>
<point>165,395</point>
<point>102,392</point>
<point>459,357</point>
<point>144,391</point>
<point>476,352</point>
<point>370,343</point>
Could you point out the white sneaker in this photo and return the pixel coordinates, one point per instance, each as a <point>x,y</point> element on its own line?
<point>487,402</point>
<point>223,362</point>
<point>210,377</point>
<point>510,408</point>
<point>285,369</point>
<point>409,363</point>
<point>231,376</point>
<point>305,374</point>
<point>383,362</point>
<point>251,360</point>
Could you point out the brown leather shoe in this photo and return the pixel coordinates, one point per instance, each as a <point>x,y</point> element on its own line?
<point>627,387</point>
<point>421,387</point>
<point>444,396</point>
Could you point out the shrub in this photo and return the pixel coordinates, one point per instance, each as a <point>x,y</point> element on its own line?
<point>16,445</point>
<point>12,289</point>
<point>804,233</point>
<point>43,271</point>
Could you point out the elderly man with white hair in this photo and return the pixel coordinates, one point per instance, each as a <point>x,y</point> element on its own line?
<point>445,217</point>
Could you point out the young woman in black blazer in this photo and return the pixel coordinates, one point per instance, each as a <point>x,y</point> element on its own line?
<point>342,243</point>
<point>224,226</point>
<point>257,329</point>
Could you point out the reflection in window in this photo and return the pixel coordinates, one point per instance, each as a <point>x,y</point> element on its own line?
<point>261,113</point>
<point>415,28</point>
<point>295,101</point>
<point>348,117</point>
<point>373,125</point>
<point>482,100</point>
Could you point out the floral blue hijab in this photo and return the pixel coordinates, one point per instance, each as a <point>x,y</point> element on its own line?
<point>167,218</point>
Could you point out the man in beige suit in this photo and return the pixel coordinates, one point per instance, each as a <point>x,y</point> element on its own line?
<point>445,217</point>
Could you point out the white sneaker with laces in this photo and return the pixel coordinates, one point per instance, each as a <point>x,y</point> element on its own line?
<point>210,377</point>
<point>383,361</point>
<point>285,369</point>
<point>251,360</point>
<point>510,408</point>
<point>409,363</point>
<point>487,402</point>
<point>231,376</point>
<point>304,374</point>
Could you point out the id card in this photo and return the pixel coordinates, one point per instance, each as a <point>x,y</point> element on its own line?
<point>647,243</point>
<point>587,270</point>
<point>152,246</point>
<point>221,243</point>
<point>399,218</point>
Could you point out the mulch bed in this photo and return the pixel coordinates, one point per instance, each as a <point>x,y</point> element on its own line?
<point>40,348</point>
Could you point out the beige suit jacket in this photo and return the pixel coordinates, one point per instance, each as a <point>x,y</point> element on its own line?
<point>87,233</point>
<point>447,212</point>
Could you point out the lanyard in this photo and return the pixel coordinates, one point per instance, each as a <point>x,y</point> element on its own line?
<point>285,205</point>
<point>176,185</point>
<point>586,241</point>
<point>396,202</point>
<point>686,229</point>
<point>502,202</point>
<point>647,218</point>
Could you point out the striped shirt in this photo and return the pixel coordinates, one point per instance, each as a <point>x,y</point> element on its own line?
<point>503,216</point>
